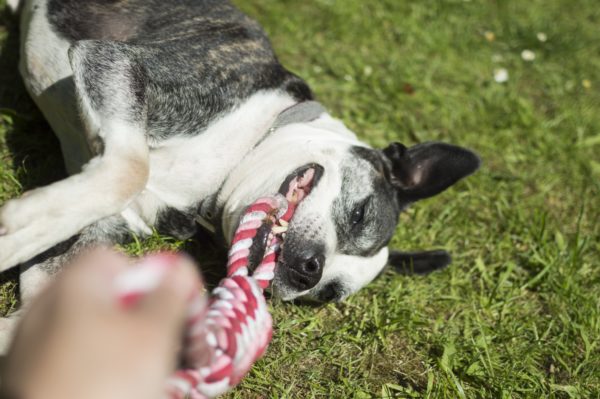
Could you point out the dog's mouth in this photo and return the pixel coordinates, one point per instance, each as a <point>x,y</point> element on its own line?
<point>299,184</point>
<point>296,187</point>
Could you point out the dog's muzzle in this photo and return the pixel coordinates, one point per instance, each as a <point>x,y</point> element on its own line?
<point>303,265</point>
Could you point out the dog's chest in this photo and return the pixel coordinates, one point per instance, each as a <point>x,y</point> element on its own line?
<point>186,169</point>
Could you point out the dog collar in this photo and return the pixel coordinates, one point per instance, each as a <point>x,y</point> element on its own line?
<point>302,112</point>
<point>306,111</point>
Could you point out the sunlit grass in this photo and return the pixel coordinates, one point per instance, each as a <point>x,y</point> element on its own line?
<point>517,314</point>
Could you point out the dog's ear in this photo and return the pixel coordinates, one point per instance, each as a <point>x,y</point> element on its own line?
<point>418,262</point>
<point>429,168</point>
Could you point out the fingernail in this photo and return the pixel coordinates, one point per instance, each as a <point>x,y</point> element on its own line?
<point>143,278</point>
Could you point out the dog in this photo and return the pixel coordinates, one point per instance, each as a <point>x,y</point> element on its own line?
<point>176,114</point>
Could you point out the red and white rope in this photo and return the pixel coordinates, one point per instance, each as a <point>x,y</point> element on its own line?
<point>225,340</point>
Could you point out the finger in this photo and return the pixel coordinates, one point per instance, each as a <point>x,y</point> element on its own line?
<point>159,286</point>
<point>160,296</point>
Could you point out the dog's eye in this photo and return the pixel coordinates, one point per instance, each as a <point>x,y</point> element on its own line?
<point>358,213</point>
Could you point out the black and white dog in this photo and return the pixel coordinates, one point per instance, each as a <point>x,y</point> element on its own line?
<point>174,112</point>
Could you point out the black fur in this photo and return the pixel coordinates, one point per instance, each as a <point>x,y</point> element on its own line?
<point>191,70</point>
<point>419,262</point>
<point>427,169</point>
<point>176,223</point>
<point>381,207</point>
<point>332,292</point>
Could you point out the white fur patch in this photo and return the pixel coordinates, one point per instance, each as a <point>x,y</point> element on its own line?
<point>184,170</point>
<point>353,271</point>
<point>13,5</point>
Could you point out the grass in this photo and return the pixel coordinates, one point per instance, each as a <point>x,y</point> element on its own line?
<point>517,315</point>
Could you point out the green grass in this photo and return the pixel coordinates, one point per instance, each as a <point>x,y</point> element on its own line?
<point>518,313</point>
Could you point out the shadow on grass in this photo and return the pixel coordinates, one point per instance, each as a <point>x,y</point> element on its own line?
<point>35,151</point>
<point>211,256</point>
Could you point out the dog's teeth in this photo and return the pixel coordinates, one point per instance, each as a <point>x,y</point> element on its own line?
<point>279,229</point>
<point>283,222</point>
<point>283,235</point>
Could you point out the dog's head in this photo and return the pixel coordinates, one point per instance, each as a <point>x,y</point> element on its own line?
<point>337,240</point>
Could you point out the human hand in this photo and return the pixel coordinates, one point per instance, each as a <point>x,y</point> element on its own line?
<point>87,337</point>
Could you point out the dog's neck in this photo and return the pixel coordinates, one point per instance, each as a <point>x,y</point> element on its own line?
<point>302,112</point>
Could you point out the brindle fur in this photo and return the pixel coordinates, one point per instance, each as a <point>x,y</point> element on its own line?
<point>189,70</point>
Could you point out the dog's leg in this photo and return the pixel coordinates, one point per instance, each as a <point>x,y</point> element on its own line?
<point>110,87</point>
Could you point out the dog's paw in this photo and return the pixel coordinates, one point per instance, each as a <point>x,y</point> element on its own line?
<point>24,243</point>
<point>9,223</point>
<point>10,251</point>
<point>33,239</point>
<point>32,207</point>
<point>21,220</point>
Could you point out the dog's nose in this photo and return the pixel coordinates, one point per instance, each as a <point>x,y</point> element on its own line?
<point>313,265</point>
<point>306,271</point>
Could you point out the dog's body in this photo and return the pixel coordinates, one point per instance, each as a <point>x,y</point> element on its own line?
<point>164,111</point>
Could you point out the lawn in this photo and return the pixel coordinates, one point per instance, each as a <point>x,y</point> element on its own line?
<point>517,315</point>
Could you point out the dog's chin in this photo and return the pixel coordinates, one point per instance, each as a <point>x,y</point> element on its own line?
<point>282,291</point>
<point>321,293</point>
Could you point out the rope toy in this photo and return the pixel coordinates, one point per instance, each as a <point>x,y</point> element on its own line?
<point>236,326</point>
